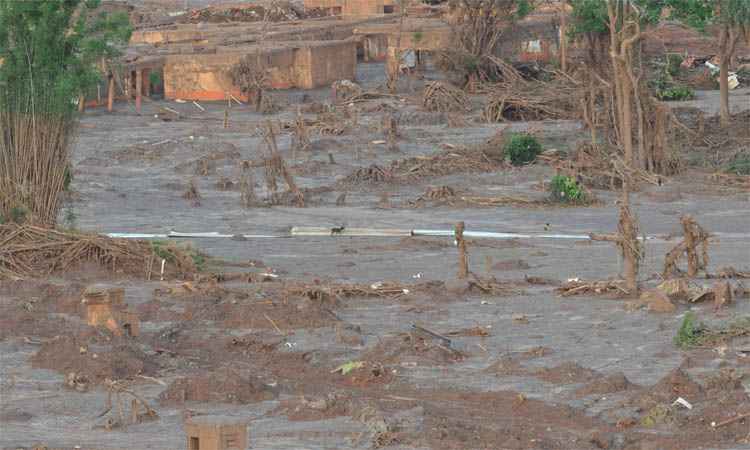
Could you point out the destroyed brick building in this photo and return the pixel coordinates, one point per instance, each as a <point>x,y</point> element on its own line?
<point>105,307</point>
<point>215,433</point>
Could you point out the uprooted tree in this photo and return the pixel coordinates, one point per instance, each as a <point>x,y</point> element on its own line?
<point>49,50</point>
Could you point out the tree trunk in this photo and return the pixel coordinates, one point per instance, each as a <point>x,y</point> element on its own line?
<point>727,45</point>
<point>563,40</point>
<point>724,86</point>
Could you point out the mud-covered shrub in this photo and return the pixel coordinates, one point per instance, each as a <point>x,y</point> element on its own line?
<point>689,333</point>
<point>740,165</point>
<point>522,149</point>
<point>565,189</point>
<point>675,93</point>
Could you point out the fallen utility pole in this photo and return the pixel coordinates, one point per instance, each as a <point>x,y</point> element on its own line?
<point>344,231</point>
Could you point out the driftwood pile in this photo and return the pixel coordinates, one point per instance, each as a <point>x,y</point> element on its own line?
<point>517,99</point>
<point>596,168</point>
<point>443,97</point>
<point>418,167</point>
<point>116,390</point>
<point>603,287</point>
<point>694,238</point>
<point>28,251</point>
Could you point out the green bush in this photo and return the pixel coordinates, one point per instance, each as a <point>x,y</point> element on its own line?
<point>674,61</point>
<point>566,189</point>
<point>740,165</point>
<point>689,333</point>
<point>522,149</point>
<point>675,93</point>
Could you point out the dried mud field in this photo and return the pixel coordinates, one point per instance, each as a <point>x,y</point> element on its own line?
<point>371,342</point>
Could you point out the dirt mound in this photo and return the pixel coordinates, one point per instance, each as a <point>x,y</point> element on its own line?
<point>616,382</point>
<point>93,362</point>
<point>566,373</point>
<point>224,386</point>
<point>675,384</point>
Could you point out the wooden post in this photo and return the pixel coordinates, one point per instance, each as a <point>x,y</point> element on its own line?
<point>81,103</point>
<point>111,92</point>
<point>226,111</point>
<point>463,261</point>
<point>138,89</point>
<point>147,82</point>
<point>563,39</point>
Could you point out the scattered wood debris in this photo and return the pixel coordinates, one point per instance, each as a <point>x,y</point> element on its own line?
<point>192,194</point>
<point>275,167</point>
<point>117,389</point>
<point>604,287</point>
<point>443,97</point>
<point>28,251</point>
<point>694,237</point>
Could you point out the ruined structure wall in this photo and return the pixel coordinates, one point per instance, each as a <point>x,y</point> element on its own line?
<point>322,65</point>
<point>206,76</point>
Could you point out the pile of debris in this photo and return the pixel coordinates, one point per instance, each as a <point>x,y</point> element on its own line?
<point>443,97</point>
<point>28,251</point>
<point>275,12</point>
<point>518,99</point>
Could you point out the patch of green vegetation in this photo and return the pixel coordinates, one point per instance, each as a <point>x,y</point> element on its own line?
<point>417,36</point>
<point>690,333</point>
<point>522,149</point>
<point>67,178</point>
<point>675,93</point>
<point>657,415</point>
<point>565,189</point>
<point>166,251</point>
<point>70,219</point>
<point>16,215</point>
<point>154,78</point>
<point>674,61</point>
<point>740,165</point>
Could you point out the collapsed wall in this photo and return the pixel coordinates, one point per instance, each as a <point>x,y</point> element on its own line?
<point>289,65</point>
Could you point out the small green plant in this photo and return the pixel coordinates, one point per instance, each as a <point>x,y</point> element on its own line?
<point>165,251</point>
<point>154,78</point>
<point>417,36</point>
<point>17,215</point>
<point>675,93</point>
<point>674,61</point>
<point>70,219</point>
<point>522,149</point>
<point>67,178</point>
<point>565,189</point>
<point>740,165</point>
<point>690,333</point>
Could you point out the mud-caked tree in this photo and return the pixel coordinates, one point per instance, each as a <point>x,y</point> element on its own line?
<point>50,52</point>
<point>477,28</point>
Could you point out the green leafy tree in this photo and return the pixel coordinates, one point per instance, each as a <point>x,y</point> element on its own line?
<point>49,55</point>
